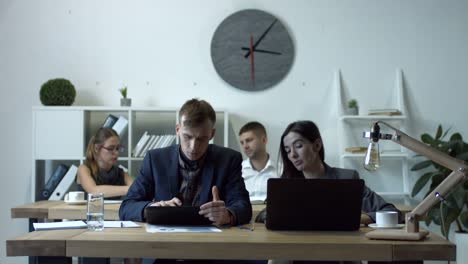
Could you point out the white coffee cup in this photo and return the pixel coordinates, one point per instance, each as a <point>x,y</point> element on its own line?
<point>74,196</point>
<point>386,218</point>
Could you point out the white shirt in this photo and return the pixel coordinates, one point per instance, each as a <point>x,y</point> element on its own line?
<point>256,181</point>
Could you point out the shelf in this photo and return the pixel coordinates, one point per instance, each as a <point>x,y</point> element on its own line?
<point>401,155</point>
<point>393,194</point>
<point>372,117</point>
<point>393,180</point>
<point>53,127</point>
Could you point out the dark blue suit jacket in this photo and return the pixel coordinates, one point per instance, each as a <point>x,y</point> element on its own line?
<point>159,180</point>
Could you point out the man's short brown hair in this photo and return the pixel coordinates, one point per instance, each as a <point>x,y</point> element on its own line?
<point>196,112</point>
<point>255,127</point>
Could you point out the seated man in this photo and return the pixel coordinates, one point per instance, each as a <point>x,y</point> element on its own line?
<point>193,173</point>
<point>258,167</point>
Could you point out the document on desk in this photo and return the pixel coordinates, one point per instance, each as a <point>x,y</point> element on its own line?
<point>112,201</point>
<point>60,225</point>
<point>119,224</point>
<point>181,229</point>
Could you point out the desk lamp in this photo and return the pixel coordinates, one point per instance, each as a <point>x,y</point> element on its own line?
<point>458,175</point>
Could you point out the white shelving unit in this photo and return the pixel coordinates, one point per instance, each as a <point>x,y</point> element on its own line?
<point>61,134</point>
<point>392,179</point>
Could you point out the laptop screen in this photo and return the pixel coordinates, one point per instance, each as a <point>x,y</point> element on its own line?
<point>314,204</point>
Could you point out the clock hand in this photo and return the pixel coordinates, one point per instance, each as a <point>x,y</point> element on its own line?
<point>261,37</point>
<point>252,66</point>
<point>263,51</point>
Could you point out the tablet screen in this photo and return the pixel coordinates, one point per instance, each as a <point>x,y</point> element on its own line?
<point>179,215</point>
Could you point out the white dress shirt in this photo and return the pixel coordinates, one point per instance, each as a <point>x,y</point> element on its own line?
<point>256,181</point>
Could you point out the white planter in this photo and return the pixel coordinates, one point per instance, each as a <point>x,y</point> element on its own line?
<point>461,240</point>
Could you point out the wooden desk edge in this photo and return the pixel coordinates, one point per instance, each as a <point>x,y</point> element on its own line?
<point>39,243</point>
<point>39,209</point>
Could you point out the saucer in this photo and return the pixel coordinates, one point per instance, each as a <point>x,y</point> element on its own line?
<point>75,202</point>
<point>375,226</point>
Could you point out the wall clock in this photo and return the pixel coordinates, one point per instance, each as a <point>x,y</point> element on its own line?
<point>252,50</point>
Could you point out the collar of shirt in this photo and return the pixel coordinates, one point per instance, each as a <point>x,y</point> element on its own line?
<point>246,164</point>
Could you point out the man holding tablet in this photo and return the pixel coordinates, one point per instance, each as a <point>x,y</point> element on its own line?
<point>192,173</point>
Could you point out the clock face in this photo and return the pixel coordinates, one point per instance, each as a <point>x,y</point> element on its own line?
<point>252,50</point>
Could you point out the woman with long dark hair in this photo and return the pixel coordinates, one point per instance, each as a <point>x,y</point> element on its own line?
<point>303,156</point>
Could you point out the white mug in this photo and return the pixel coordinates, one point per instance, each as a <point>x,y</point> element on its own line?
<point>74,196</point>
<point>386,218</point>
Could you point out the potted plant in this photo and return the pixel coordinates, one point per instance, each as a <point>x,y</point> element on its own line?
<point>353,108</point>
<point>57,92</point>
<point>455,207</point>
<point>124,101</point>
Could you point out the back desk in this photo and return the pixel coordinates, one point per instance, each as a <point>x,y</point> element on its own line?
<point>60,210</point>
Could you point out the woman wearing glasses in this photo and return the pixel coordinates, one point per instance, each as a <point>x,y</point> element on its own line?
<point>100,172</point>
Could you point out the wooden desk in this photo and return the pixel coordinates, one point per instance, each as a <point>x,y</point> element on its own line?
<point>232,243</point>
<point>62,210</point>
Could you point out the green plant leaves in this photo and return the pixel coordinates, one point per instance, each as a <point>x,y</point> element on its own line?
<point>57,92</point>
<point>439,132</point>
<point>421,165</point>
<point>455,206</point>
<point>426,138</point>
<point>464,219</point>
<point>421,182</point>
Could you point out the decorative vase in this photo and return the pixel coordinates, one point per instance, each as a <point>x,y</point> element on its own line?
<point>125,101</point>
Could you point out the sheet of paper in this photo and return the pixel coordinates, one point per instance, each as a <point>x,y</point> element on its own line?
<point>60,225</point>
<point>119,224</point>
<point>179,229</point>
<point>112,201</point>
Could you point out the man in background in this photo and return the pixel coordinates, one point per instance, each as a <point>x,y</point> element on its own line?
<point>259,166</point>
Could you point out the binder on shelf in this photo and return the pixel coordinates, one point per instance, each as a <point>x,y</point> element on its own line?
<point>171,140</point>
<point>53,181</point>
<point>155,142</point>
<point>167,141</point>
<point>64,184</point>
<point>158,143</point>
<point>145,145</point>
<point>120,125</point>
<point>140,144</point>
<point>110,121</point>
<point>150,143</point>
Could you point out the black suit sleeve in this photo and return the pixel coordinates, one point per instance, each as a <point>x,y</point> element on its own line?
<point>236,195</point>
<point>140,194</point>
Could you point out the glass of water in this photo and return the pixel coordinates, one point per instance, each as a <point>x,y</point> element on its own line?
<point>95,212</point>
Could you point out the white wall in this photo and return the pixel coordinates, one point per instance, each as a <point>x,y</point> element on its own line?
<point>160,49</point>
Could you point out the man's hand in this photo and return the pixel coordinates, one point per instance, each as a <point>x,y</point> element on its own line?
<point>365,219</point>
<point>173,202</point>
<point>216,210</point>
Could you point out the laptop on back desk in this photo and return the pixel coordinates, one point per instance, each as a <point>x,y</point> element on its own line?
<point>314,204</point>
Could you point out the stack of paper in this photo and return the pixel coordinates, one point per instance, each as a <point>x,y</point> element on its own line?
<point>60,225</point>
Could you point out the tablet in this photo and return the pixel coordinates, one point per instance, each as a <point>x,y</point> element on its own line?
<point>178,215</point>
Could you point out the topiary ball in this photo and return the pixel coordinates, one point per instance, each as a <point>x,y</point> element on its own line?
<point>57,92</point>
